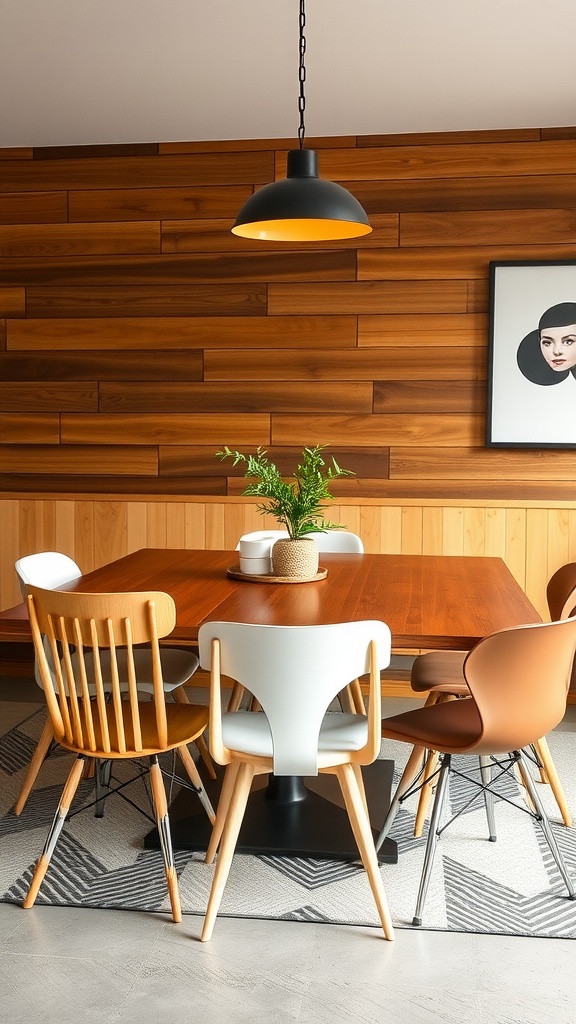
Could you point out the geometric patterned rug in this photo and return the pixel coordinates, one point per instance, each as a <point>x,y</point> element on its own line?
<point>508,887</point>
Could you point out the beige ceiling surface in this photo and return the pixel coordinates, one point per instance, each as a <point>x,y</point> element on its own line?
<point>81,72</point>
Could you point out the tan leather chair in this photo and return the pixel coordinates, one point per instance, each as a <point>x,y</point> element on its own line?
<point>518,683</point>
<point>91,638</point>
<point>439,673</point>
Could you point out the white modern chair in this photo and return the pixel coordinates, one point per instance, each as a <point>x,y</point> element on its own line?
<point>52,569</point>
<point>338,540</point>
<point>331,541</point>
<point>294,672</point>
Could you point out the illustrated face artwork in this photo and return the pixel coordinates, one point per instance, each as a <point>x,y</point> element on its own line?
<point>558,346</point>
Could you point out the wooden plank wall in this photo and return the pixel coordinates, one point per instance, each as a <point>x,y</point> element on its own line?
<point>138,335</point>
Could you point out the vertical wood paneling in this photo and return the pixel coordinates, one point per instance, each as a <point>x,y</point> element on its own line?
<point>516,544</point>
<point>453,532</point>
<point>411,530</point>
<point>533,542</point>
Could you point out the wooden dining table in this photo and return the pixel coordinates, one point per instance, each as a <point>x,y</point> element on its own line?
<point>428,601</point>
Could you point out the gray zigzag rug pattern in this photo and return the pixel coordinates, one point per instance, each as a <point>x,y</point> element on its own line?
<point>510,887</point>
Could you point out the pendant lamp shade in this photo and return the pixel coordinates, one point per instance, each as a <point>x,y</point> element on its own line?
<point>302,207</point>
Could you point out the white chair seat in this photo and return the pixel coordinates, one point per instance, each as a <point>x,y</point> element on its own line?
<point>250,732</point>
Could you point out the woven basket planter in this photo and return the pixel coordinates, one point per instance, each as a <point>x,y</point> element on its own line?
<point>295,558</point>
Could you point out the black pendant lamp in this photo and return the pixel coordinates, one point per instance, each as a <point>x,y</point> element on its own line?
<point>302,207</point>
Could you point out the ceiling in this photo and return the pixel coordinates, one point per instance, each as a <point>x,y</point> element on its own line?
<point>85,72</point>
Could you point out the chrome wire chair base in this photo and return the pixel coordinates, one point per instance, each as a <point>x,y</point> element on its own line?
<point>414,777</point>
<point>485,788</point>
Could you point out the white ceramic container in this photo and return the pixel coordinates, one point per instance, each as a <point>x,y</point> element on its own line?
<point>256,551</point>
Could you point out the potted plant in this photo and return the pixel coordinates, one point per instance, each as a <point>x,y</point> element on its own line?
<point>297,504</point>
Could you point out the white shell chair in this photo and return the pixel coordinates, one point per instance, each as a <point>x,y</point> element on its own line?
<point>331,541</point>
<point>52,569</point>
<point>338,540</point>
<point>294,672</point>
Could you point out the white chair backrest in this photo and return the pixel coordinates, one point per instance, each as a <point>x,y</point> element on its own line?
<point>47,569</point>
<point>295,672</point>
<point>338,540</point>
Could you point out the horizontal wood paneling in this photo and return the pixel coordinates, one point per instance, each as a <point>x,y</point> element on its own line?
<point>450,262</point>
<point>485,464</point>
<point>136,301</point>
<point>33,207</point>
<point>34,428</point>
<point>52,397</point>
<point>442,396</point>
<point>208,268</point>
<point>522,193</point>
<point>12,301</point>
<point>134,325</point>
<point>140,171</point>
<point>438,329</point>
<point>78,460</point>
<point>488,228</point>
<point>164,364</point>
<point>463,138</point>
<point>157,203</point>
<point>500,159</point>
<point>78,239</point>
<point>237,397</point>
<point>192,460</point>
<point>406,428</point>
<point>367,364</point>
<point>369,297</point>
<point>180,332</point>
<point>165,428</point>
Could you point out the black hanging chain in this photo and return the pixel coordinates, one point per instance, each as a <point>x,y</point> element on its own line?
<point>302,73</point>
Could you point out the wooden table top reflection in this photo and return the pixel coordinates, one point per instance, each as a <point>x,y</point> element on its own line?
<point>428,601</point>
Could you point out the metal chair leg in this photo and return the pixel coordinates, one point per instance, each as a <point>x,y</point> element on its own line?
<point>546,828</point>
<point>486,773</point>
<point>163,823</point>
<point>413,766</point>
<point>43,862</point>
<point>432,837</point>
<point>102,772</point>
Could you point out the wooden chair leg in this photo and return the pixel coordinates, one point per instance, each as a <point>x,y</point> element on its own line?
<point>222,809</point>
<point>192,771</point>
<point>42,748</point>
<point>363,836</point>
<point>43,863</point>
<point>544,755</point>
<point>181,697</point>
<point>235,697</point>
<point>434,697</point>
<point>163,823</point>
<point>205,755</point>
<point>357,697</point>
<point>228,845</point>
<point>346,701</point>
<point>425,793</point>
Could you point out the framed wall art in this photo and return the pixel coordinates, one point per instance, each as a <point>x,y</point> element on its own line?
<point>532,355</point>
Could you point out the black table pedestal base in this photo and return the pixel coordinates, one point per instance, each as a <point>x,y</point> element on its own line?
<point>288,817</point>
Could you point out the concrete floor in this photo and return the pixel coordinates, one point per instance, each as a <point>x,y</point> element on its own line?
<point>64,965</point>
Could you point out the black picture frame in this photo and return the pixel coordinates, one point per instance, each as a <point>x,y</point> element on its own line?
<point>531,400</point>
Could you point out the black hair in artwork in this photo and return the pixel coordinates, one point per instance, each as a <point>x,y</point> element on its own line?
<point>529,357</point>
